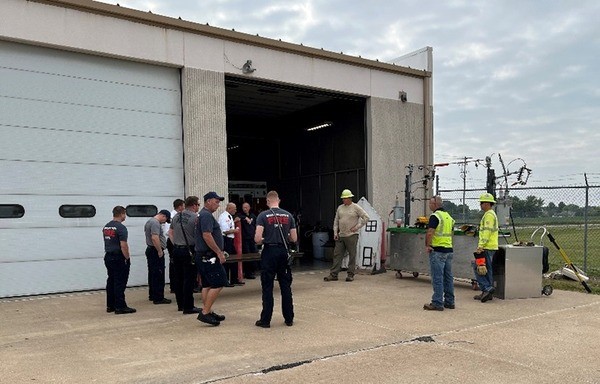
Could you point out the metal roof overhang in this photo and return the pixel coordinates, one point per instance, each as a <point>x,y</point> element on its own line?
<point>220,33</point>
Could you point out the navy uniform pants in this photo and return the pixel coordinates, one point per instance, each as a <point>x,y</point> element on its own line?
<point>156,274</point>
<point>185,277</point>
<point>274,263</point>
<point>117,268</point>
<point>231,269</point>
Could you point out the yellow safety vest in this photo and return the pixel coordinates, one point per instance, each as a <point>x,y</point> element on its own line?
<point>488,231</point>
<point>442,237</point>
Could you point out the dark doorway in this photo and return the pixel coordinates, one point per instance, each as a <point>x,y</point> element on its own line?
<point>269,141</point>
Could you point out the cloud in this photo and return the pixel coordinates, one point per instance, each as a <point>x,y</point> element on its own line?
<point>512,77</point>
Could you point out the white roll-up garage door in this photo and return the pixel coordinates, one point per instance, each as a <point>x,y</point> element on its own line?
<point>79,129</point>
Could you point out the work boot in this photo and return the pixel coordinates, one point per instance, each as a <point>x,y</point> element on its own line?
<point>487,296</point>
<point>124,311</point>
<point>330,278</point>
<point>431,307</point>
<point>262,324</point>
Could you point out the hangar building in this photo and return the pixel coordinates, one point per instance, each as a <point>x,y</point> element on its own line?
<point>101,105</point>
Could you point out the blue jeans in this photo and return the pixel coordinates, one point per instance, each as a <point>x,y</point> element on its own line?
<point>486,283</point>
<point>440,266</point>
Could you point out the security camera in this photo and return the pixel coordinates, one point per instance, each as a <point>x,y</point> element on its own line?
<point>247,67</point>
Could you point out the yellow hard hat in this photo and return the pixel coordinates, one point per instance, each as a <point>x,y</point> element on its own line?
<point>487,198</point>
<point>346,194</point>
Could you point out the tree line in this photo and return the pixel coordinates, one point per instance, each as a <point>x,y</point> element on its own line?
<point>529,207</point>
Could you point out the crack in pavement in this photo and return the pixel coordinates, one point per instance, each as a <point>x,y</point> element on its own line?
<point>281,367</point>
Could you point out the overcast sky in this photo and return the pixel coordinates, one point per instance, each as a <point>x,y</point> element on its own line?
<point>518,78</point>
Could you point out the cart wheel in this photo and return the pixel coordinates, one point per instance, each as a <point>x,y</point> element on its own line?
<point>415,274</point>
<point>547,290</point>
<point>474,285</point>
<point>398,275</point>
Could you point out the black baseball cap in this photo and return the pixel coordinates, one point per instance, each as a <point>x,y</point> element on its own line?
<point>213,195</point>
<point>166,213</point>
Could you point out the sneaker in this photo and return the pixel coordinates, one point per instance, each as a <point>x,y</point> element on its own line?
<point>449,306</point>
<point>330,278</point>
<point>350,278</point>
<point>191,311</point>
<point>217,316</point>
<point>260,323</point>
<point>208,319</point>
<point>478,297</point>
<point>431,307</point>
<point>289,323</point>
<point>487,296</point>
<point>110,309</point>
<point>124,311</point>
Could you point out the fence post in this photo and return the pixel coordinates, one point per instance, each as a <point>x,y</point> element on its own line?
<point>585,222</point>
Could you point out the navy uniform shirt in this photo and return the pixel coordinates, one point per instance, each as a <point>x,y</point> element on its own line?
<point>270,219</point>
<point>114,232</point>
<point>248,230</point>
<point>207,223</point>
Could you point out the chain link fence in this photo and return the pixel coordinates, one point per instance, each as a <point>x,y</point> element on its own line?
<point>570,213</point>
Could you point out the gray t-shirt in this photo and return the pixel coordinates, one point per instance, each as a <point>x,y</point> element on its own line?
<point>153,227</point>
<point>188,220</point>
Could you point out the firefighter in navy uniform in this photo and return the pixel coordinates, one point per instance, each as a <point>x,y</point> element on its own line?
<point>116,260</point>
<point>274,227</point>
<point>182,233</point>
<point>248,221</point>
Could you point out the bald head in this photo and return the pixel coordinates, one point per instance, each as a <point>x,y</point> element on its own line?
<point>246,208</point>
<point>436,202</point>
<point>231,208</point>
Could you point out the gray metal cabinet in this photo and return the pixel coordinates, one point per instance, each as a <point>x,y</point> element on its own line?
<point>517,271</point>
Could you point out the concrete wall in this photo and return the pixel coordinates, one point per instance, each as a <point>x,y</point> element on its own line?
<point>204,135</point>
<point>395,137</point>
<point>72,29</point>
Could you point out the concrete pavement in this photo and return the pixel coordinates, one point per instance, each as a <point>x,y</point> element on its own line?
<point>372,330</point>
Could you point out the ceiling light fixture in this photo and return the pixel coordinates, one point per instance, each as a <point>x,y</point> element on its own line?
<point>324,125</point>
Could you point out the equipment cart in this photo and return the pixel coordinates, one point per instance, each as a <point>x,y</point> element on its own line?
<point>408,254</point>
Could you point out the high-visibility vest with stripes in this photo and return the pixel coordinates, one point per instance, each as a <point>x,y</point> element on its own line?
<point>488,231</point>
<point>442,237</point>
